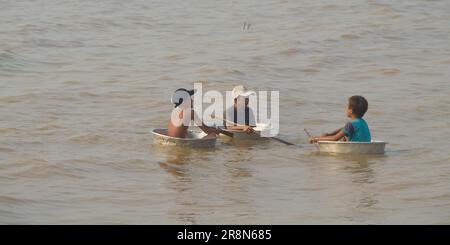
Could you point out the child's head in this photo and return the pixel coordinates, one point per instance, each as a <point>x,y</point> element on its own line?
<point>241,94</point>
<point>357,106</point>
<point>182,97</point>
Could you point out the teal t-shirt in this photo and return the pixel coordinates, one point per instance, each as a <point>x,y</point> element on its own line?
<point>357,130</point>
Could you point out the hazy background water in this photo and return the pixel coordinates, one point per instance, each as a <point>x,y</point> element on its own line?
<point>83,82</point>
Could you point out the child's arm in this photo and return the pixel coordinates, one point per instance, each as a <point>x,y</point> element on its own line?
<point>208,129</point>
<point>244,128</point>
<point>332,133</point>
<point>203,127</point>
<point>339,135</point>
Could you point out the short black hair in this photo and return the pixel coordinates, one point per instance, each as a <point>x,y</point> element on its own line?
<point>180,100</point>
<point>358,104</point>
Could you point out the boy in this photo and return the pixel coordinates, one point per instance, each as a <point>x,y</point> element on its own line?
<point>240,113</point>
<point>179,123</point>
<point>356,130</point>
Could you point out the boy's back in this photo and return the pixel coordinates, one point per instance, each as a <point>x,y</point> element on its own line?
<point>357,130</point>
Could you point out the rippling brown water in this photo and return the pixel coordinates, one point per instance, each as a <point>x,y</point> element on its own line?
<point>83,82</point>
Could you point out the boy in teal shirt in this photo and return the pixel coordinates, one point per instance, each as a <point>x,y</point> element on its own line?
<point>356,130</point>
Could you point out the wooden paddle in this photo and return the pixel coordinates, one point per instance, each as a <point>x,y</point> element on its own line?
<point>229,134</point>
<point>282,141</point>
<point>274,138</point>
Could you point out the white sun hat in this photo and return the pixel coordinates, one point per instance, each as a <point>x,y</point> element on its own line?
<point>241,90</point>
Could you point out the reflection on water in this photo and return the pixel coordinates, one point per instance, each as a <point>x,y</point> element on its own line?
<point>360,171</point>
<point>176,159</point>
<point>177,165</point>
<point>186,167</point>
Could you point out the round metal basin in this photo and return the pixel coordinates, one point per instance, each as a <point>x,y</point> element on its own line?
<point>195,139</point>
<point>374,147</point>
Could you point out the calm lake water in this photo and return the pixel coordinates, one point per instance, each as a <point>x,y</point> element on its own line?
<point>83,82</point>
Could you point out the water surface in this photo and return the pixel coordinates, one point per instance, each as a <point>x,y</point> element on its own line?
<point>83,82</point>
